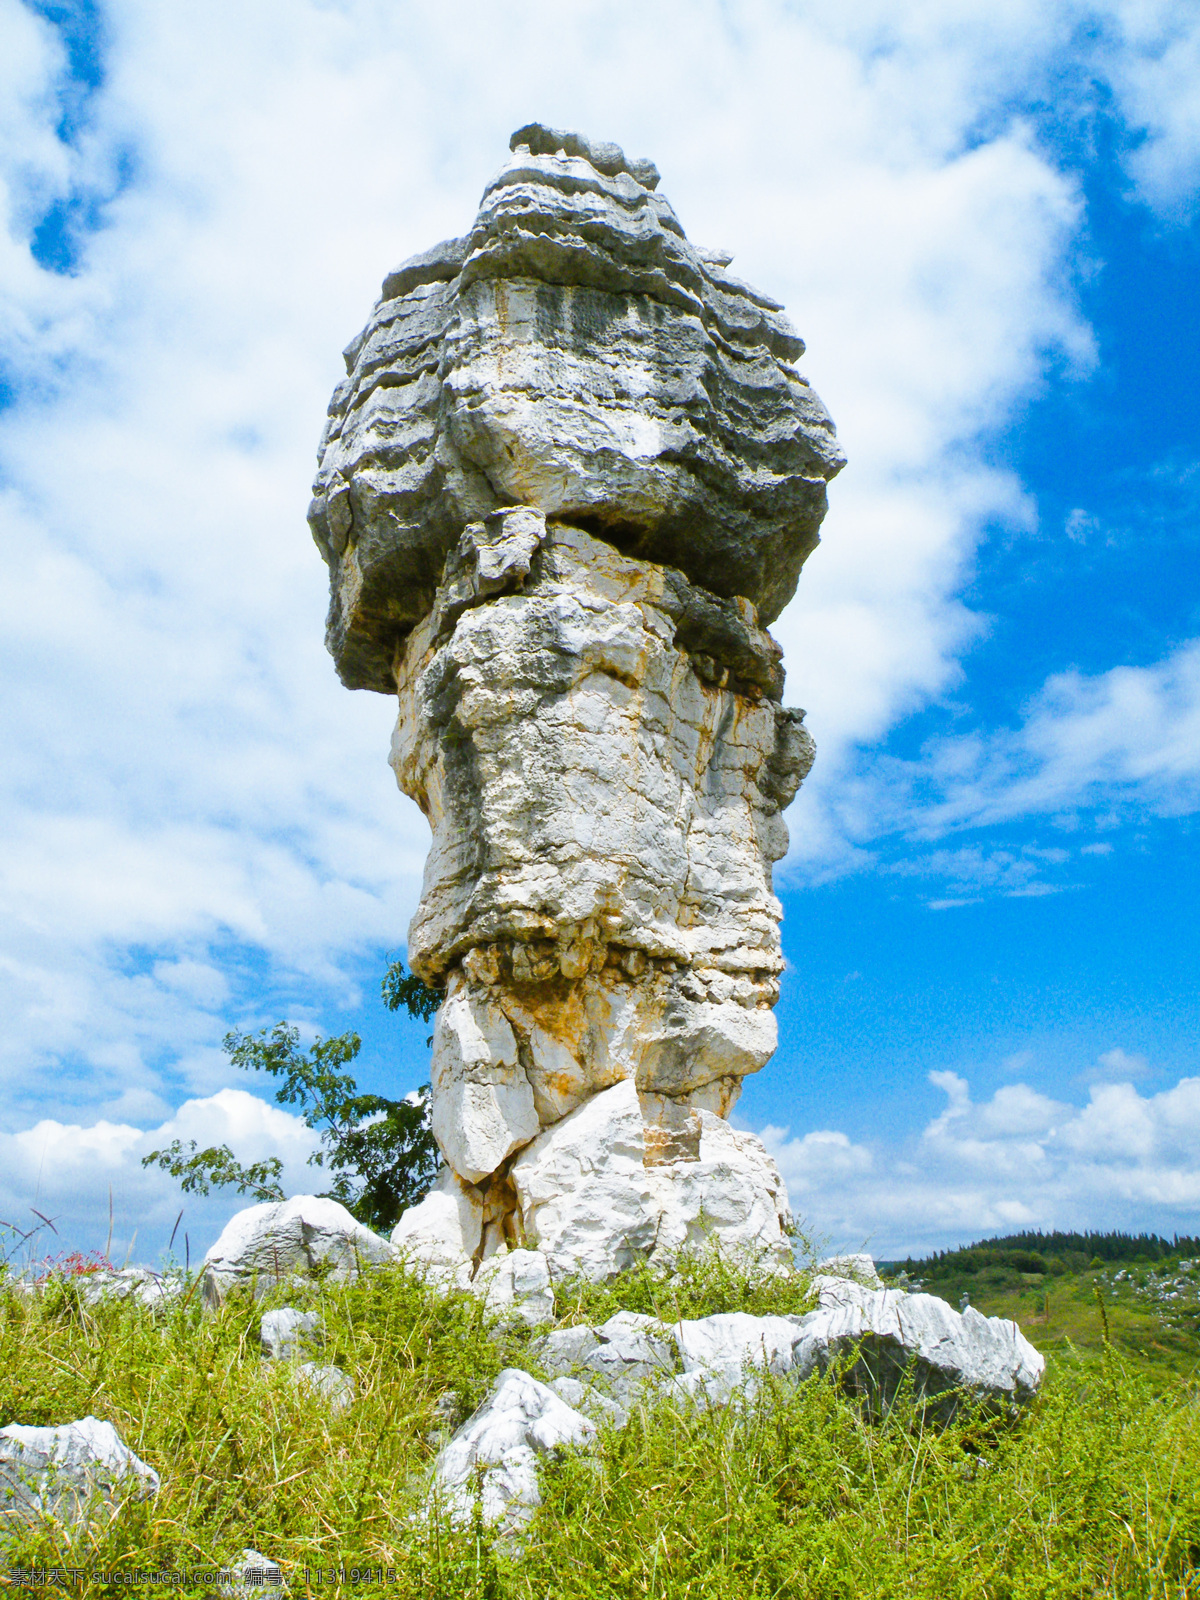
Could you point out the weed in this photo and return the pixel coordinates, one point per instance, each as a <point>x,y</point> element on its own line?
<point>1096,1491</point>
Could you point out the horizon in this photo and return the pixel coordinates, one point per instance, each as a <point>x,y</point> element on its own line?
<point>986,230</point>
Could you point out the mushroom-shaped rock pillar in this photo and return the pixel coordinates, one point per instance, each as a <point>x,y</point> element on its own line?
<point>571,475</point>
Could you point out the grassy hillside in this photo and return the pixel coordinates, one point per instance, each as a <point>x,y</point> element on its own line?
<point>1095,1492</point>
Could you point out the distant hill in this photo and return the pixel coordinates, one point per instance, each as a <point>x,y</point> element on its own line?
<point>1046,1252</point>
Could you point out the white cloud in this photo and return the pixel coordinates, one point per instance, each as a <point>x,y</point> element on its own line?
<point>188,792</point>
<point>1121,1065</point>
<point>1132,733</point>
<point>69,1172</point>
<point>1018,1160</point>
<point>1125,741</point>
<point>1152,61</point>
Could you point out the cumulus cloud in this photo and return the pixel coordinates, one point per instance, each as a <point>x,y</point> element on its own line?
<point>1130,734</point>
<point>72,1175</point>
<point>1150,54</point>
<point>1120,1065</point>
<point>1019,1160</point>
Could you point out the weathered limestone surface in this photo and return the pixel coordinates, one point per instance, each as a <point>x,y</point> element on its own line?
<point>495,1453</point>
<point>576,353</point>
<point>72,1473</point>
<point>570,474</point>
<point>582,1194</point>
<point>880,1338</point>
<point>597,897</point>
<point>271,1243</point>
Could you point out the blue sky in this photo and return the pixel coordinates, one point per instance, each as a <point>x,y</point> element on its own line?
<point>986,228</point>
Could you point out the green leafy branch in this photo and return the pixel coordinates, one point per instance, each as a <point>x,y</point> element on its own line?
<point>380,1152</point>
<point>199,1171</point>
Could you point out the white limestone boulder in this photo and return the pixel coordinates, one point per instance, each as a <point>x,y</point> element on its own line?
<point>858,1268</point>
<point>496,1452</point>
<point>154,1290</point>
<point>615,1359</point>
<point>586,1397</point>
<point>881,1340</point>
<point>516,1283</point>
<point>586,1196</point>
<point>737,1339</point>
<point>286,1334</point>
<point>440,1236</point>
<point>887,1337</point>
<point>328,1383</point>
<point>563,1350</point>
<point>70,1473</point>
<point>280,1240</point>
<point>252,1577</point>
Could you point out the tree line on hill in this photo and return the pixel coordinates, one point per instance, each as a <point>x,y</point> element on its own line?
<point>1048,1252</point>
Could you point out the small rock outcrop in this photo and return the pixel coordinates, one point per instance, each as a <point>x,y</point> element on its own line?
<point>281,1240</point>
<point>888,1338</point>
<point>252,1577</point>
<point>495,1454</point>
<point>287,1336</point>
<point>571,475</point>
<point>71,1473</point>
<point>878,1342</point>
<point>621,1353</point>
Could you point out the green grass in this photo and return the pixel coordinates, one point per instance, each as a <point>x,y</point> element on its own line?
<point>1095,1492</point>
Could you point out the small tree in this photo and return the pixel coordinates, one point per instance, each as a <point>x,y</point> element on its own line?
<point>381,1152</point>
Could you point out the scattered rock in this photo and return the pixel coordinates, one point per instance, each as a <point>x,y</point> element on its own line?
<point>589,1399</point>
<point>517,1282</point>
<point>888,1337</point>
<point>333,1385</point>
<point>736,1339</point>
<point>859,1268</point>
<point>287,1333</point>
<point>70,1473</point>
<point>563,1349</point>
<point>882,1337</point>
<point>630,1348</point>
<point>282,1240</point>
<point>495,1453</point>
<point>252,1575</point>
<point>152,1289</point>
<point>155,1290</point>
<point>619,1355</point>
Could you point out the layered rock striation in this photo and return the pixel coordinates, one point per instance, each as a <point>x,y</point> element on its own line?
<point>576,353</point>
<point>570,474</point>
